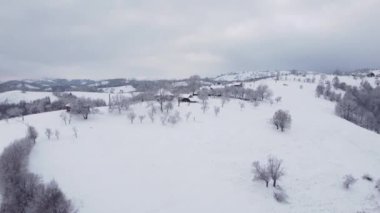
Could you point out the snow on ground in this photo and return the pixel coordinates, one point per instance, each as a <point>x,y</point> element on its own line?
<point>204,164</point>
<point>16,96</point>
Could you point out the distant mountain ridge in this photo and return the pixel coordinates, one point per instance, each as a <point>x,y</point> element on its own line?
<point>61,84</point>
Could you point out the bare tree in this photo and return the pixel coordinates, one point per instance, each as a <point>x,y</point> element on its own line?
<point>75,131</point>
<point>204,106</point>
<point>131,116</point>
<point>216,110</point>
<point>275,170</point>
<point>64,117</point>
<point>264,92</point>
<point>120,102</point>
<point>320,90</point>
<point>281,119</point>
<point>56,133</point>
<point>151,116</point>
<point>278,99</point>
<point>261,173</point>
<point>224,99</point>
<point>194,83</point>
<point>141,118</point>
<point>32,133</point>
<point>81,106</point>
<point>203,95</point>
<point>162,96</point>
<point>168,106</point>
<point>152,111</point>
<point>242,105</point>
<point>48,133</point>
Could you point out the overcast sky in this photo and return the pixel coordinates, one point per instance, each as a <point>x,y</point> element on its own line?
<point>170,39</point>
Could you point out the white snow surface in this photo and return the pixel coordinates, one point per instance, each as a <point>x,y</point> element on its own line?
<point>16,96</point>
<point>204,164</point>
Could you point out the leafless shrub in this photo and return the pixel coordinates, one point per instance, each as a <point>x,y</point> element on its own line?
<point>348,181</point>
<point>377,186</point>
<point>131,116</point>
<point>367,177</point>
<point>280,196</point>
<point>151,116</point>
<point>48,133</point>
<point>216,110</point>
<point>168,106</point>
<point>64,117</point>
<point>224,99</point>
<point>56,133</point>
<point>242,105</point>
<point>204,106</point>
<point>75,131</point>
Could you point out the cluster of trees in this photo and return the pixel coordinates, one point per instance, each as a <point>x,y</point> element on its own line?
<point>78,106</point>
<point>272,170</point>
<point>23,191</point>
<point>10,110</point>
<point>361,106</point>
<point>84,106</point>
<point>324,89</point>
<point>261,93</point>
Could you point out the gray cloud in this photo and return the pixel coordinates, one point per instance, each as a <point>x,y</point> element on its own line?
<point>171,38</point>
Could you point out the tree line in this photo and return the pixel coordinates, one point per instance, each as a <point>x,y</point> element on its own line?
<point>77,106</point>
<point>23,191</point>
<point>361,105</point>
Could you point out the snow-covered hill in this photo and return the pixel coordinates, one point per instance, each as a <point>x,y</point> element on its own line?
<point>248,75</point>
<point>204,164</point>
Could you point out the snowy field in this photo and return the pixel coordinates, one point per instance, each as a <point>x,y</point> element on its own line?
<point>204,164</point>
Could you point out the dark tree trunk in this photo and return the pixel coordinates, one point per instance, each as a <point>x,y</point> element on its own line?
<point>267,183</point>
<point>274,182</point>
